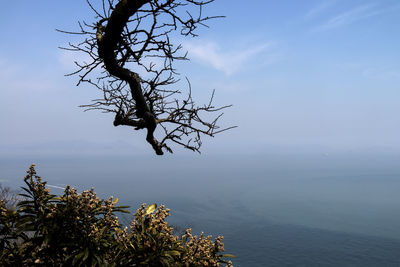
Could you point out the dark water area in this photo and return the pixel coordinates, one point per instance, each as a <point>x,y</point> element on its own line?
<point>273,210</point>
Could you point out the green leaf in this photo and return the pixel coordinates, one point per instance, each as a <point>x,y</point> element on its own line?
<point>228,256</point>
<point>150,209</point>
<point>47,239</point>
<point>77,258</point>
<point>28,191</point>
<point>173,253</point>
<point>25,195</point>
<point>85,255</point>
<point>165,262</point>
<point>99,261</point>
<point>24,203</point>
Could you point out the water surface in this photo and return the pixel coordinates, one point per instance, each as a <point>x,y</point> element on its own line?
<point>273,210</point>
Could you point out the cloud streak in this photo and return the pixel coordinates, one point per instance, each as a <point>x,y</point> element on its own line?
<point>228,62</point>
<point>319,9</point>
<point>353,15</point>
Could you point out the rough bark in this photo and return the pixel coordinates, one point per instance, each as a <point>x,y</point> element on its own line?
<point>107,39</point>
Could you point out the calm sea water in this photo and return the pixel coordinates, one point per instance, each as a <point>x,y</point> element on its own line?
<point>273,210</point>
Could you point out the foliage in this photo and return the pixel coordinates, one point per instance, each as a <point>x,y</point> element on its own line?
<point>82,230</point>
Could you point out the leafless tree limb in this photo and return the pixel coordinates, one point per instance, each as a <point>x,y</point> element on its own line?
<point>136,35</point>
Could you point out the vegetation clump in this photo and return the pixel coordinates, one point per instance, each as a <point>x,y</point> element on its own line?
<point>80,229</point>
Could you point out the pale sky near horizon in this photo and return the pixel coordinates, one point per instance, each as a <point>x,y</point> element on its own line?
<point>312,74</point>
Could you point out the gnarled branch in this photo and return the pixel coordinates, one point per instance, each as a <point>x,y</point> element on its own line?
<point>135,35</point>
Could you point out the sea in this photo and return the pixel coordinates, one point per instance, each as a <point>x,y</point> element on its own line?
<point>278,209</point>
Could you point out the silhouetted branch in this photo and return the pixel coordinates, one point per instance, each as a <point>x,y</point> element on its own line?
<point>132,37</point>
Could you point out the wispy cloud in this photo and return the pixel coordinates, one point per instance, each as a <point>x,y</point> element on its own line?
<point>353,15</point>
<point>228,62</point>
<point>315,11</point>
<point>371,70</point>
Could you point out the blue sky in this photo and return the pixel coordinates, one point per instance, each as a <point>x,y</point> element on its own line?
<point>302,75</point>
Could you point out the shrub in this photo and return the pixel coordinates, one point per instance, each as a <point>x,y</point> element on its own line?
<point>75,229</point>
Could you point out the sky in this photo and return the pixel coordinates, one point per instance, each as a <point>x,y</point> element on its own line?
<point>310,75</point>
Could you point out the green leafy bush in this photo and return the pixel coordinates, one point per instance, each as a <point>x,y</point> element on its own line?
<point>82,230</point>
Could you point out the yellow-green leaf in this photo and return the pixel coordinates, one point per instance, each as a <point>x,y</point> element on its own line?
<point>173,253</point>
<point>150,209</point>
<point>228,256</point>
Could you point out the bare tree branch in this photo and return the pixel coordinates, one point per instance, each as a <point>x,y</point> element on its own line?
<point>130,37</point>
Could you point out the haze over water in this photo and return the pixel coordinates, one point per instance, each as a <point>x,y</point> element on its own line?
<point>273,210</point>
